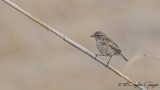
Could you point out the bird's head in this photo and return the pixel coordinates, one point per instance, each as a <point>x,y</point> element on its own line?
<point>99,35</point>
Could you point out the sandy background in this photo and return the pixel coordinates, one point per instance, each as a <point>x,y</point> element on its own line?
<point>31,58</point>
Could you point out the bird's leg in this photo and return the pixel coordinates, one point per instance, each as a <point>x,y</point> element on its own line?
<point>109,60</point>
<point>98,55</point>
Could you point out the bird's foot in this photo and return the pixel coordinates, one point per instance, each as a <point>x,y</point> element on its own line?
<point>98,55</point>
<point>107,64</point>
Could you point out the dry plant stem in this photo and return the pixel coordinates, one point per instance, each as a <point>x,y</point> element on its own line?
<point>71,42</point>
<point>152,56</point>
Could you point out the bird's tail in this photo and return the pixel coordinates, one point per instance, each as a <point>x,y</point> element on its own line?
<point>123,57</point>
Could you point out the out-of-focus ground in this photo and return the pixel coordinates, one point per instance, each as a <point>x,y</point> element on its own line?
<point>32,58</point>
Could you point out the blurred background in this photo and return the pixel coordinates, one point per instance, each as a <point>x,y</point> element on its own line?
<point>32,58</point>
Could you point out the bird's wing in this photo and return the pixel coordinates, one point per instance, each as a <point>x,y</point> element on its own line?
<point>113,45</point>
<point>110,40</point>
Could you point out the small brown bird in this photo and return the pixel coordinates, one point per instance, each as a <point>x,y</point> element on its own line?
<point>106,46</point>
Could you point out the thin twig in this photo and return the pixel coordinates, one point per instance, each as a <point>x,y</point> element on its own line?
<point>152,56</point>
<point>138,57</point>
<point>72,43</point>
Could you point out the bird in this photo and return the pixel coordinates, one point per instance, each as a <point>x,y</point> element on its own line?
<point>106,46</point>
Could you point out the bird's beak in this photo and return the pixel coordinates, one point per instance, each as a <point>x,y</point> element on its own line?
<point>92,36</point>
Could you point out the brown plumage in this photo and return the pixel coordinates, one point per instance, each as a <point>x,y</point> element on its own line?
<point>106,46</point>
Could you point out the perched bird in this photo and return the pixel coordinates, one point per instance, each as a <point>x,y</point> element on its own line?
<point>106,46</point>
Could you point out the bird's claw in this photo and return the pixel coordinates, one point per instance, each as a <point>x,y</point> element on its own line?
<point>96,56</point>
<point>107,64</point>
